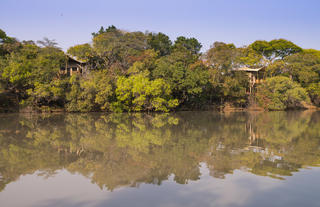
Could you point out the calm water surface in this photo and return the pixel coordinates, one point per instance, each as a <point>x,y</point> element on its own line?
<point>160,160</point>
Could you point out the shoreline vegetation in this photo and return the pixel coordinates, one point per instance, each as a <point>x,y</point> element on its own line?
<point>143,71</point>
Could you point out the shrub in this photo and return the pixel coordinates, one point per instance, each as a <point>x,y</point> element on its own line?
<point>279,93</point>
<point>138,93</point>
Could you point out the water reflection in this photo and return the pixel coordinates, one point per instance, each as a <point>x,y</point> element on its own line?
<point>118,150</point>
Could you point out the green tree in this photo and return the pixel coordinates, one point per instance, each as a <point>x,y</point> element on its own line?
<point>102,30</point>
<point>275,49</point>
<point>3,36</point>
<point>303,68</point>
<point>234,88</point>
<point>92,93</point>
<point>145,62</point>
<point>82,52</point>
<point>31,64</point>
<point>7,44</point>
<point>248,57</point>
<point>19,67</point>
<point>314,93</point>
<point>81,95</point>
<point>191,44</point>
<point>117,49</point>
<point>313,52</point>
<point>160,42</point>
<point>186,76</point>
<point>221,56</point>
<point>280,93</point>
<point>47,94</point>
<point>138,93</point>
<point>45,86</point>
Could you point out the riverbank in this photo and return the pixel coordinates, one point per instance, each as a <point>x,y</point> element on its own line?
<point>225,108</point>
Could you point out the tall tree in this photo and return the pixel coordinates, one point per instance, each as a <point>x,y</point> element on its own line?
<point>7,44</point>
<point>186,75</point>
<point>160,42</point>
<point>275,49</point>
<point>118,49</point>
<point>102,30</point>
<point>191,44</point>
<point>83,52</point>
<point>303,68</point>
<point>46,42</point>
<point>221,56</point>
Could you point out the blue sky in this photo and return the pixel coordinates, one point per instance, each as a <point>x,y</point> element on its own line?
<point>71,22</point>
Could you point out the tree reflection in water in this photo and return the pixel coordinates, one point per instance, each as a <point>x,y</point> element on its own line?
<point>128,149</point>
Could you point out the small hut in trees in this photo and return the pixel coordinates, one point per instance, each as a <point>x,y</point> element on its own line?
<point>254,74</point>
<point>73,66</point>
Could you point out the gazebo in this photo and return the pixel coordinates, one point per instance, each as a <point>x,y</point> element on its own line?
<point>253,74</point>
<point>73,66</point>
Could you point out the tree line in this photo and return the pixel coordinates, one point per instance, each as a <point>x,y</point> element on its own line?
<point>136,71</point>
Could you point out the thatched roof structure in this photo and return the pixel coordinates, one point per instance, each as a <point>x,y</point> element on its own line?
<point>246,69</point>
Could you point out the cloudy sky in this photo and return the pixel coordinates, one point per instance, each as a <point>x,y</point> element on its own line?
<point>71,22</point>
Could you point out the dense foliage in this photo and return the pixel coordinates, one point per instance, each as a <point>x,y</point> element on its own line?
<point>279,93</point>
<point>136,71</point>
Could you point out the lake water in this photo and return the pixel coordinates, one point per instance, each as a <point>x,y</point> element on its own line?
<point>160,160</point>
